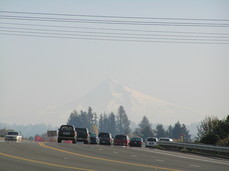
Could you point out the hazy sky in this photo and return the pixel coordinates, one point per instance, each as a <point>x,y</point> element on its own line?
<point>38,72</point>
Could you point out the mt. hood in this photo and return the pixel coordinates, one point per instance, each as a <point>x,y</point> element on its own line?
<point>109,95</point>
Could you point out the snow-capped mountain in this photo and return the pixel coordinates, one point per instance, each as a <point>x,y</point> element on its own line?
<point>109,95</point>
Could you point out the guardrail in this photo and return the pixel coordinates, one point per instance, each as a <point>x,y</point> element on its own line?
<point>221,151</point>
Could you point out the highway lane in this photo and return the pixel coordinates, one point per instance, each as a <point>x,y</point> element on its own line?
<point>53,156</point>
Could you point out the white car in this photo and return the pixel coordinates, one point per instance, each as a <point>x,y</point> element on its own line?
<point>165,139</point>
<point>13,136</point>
<point>151,142</point>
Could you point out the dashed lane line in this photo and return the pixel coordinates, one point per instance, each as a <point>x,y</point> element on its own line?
<point>44,163</point>
<point>108,160</point>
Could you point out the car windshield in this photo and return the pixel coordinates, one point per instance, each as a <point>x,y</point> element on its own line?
<point>12,133</point>
<point>151,139</point>
<point>121,137</point>
<point>66,128</point>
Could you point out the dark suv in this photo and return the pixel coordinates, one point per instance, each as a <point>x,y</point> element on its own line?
<point>105,138</point>
<point>67,132</point>
<point>83,135</point>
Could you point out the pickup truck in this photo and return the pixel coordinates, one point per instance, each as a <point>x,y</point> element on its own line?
<point>13,136</point>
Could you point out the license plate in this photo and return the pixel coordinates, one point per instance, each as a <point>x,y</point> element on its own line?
<point>66,133</point>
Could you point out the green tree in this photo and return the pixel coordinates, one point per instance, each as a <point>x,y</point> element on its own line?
<point>169,131</point>
<point>176,131</point>
<point>214,131</point>
<point>206,132</point>
<point>123,123</point>
<point>146,128</point>
<point>160,131</point>
<point>112,124</point>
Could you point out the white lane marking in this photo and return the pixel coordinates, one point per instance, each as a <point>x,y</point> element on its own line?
<point>115,152</point>
<point>184,157</point>
<point>133,155</point>
<point>159,160</point>
<point>194,165</point>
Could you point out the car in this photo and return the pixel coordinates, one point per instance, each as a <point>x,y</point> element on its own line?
<point>165,139</point>
<point>13,136</point>
<point>151,142</point>
<point>136,142</point>
<point>67,132</point>
<point>105,138</point>
<point>94,139</point>
<point>121,140</point>
<point>83,135</point>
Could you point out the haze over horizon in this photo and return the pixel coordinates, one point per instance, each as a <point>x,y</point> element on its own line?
<point>41,72</point>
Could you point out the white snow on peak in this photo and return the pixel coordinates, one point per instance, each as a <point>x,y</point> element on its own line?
<point>110,94</point>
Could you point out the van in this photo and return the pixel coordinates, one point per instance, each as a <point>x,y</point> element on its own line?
<point>83,135</point>
<point>105,138</point>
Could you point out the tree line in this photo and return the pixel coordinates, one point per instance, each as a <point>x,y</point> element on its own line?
<point>119,123</point>
<point>214,131</point>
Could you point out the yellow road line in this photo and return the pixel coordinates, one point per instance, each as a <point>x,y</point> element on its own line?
<point>44,163</point>
<point>108,160</point>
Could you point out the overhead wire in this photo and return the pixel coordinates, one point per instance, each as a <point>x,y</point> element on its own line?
<point>120,22</point>
<point>112,34</point>
<point>117,40</point>
<point>112,29</point>
<point>107,16</point>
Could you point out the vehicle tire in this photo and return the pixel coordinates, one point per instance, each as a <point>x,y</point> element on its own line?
<point>59,140</point>
<point>86,142</point>
<point>73,141</point>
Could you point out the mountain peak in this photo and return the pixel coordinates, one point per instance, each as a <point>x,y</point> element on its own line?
<point>110,94</point>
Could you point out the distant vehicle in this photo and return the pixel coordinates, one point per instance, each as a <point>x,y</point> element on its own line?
<point>94,139</point>
<point>121,140</point>
<point>13,136</point>
<point>105,138</point>
<point>165,139</point>
<point>67,132</point>
<point>151,142</point>
<point>83,135</point>
<point>136,142</point>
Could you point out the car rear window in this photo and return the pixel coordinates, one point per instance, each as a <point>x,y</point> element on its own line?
<point>151,139</point>
<point>66,128</point>
<point>105,135</point>
<point>81,132</point>
<point>135,139</point>
<point>121,137</point>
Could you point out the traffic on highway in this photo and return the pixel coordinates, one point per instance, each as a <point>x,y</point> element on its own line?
<point>114,153</point>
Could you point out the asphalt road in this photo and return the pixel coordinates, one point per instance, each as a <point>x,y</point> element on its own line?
<point>54,156</point>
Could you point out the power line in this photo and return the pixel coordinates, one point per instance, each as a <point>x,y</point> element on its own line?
<point>92,21</point>
<point>144,39</point>
<point>117,40</point>
<point>112,29</point>
<point>114,33</point>
<point>120,17</point>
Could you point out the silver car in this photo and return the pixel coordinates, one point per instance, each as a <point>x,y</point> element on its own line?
<point>151,142</point>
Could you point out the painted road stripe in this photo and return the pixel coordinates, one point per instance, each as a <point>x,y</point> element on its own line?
<point>184,156</point>
<point>44,163</point>
<point>108,160</point>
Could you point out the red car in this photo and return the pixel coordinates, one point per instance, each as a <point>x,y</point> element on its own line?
<point>121,140</point>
